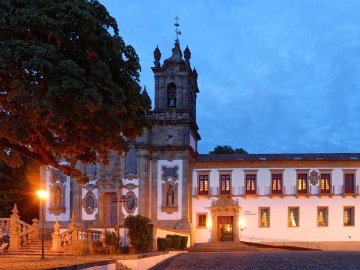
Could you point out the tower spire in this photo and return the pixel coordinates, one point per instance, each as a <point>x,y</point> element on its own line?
<point>177,31</point>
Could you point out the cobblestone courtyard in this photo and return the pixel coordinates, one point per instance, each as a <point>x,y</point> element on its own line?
<point>314,260</point>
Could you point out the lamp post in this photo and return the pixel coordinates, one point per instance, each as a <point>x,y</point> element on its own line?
<point>42,195</point>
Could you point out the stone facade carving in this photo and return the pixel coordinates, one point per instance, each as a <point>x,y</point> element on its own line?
<point>57,192</point>
<point>170,197</point>
<point>90,203</point>
<point>170,172</point>
<point>112,170</point>
<point>314,177</point>
<point>130,186</point>
<point>225,202</point>
<point>131,202</point>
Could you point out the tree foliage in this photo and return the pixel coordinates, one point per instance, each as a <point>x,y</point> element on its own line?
<point>69,89</point>
<point>226,149</point>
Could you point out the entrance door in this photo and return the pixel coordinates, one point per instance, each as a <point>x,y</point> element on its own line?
<point>225,228</point>
<point>110,209</point>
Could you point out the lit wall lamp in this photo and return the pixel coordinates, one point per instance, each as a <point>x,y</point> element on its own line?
<point>242,225</point>
<point>208,224</point>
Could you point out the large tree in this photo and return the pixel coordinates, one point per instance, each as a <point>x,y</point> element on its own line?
<point>226,149</point>
<point>69,85</point>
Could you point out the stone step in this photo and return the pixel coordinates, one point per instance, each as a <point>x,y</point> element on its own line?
<point>46,254</point>
<point>221,247</point>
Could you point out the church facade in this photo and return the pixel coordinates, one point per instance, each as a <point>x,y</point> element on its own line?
<point>308,197</point>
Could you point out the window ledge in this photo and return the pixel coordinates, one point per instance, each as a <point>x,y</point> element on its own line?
<point>326,194</point>
<point>350,194</point>
<point>203,196</point>
<point>251,196</point>
<point>307,195</point>
<point>276,195</point>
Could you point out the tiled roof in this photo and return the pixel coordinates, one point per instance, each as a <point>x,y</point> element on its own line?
<point>278,157</point>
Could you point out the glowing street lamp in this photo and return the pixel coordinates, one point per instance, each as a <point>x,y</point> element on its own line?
<point>42,195</point>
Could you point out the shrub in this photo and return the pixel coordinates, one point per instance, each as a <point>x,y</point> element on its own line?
<point>112,241</point>
<point>163,243</point>
<point>139,232</point>
<point>175,240</point>
<point>184,240</point>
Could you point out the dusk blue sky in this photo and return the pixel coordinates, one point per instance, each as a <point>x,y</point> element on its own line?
<point>274,76</point>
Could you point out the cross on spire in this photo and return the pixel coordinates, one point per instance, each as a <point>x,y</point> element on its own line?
<point>176,30</point>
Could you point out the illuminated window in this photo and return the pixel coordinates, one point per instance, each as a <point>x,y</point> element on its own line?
<point>322,216</point>
<point>225,184</point>
<point>349,216</point>
<point>293,217</point>
<point>325,183</point>
<point>264,217</point>
<point>276,183</point>
<point>203,184</point>
<point>201,220</point>
<point>302,183</point>
<point>250,183</point>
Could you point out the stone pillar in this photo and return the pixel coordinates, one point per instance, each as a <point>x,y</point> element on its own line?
<point>184,223</point>
<point>236,225</point>
<point>73,227</point>
<point>14,234</point>
<point>56,237</point>
<point>154,189</point>
<point>35,226</point>
<point>143,173</point>
<point>213,226</point>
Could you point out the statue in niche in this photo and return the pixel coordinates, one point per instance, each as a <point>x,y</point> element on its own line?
<point>58,198</point>
<point>170,196</point>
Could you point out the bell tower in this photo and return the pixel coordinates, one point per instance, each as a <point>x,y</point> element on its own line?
<point>174,136</point>
<point>176,90</point>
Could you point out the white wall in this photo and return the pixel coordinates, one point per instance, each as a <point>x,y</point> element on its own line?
<point>307,230</point>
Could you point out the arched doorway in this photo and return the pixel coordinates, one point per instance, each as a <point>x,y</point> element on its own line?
<point>110,209</point>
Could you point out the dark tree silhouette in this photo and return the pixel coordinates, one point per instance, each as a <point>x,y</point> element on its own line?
<point>226,149</point>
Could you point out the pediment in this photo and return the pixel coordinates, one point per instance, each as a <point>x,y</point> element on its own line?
<point>225,202</point>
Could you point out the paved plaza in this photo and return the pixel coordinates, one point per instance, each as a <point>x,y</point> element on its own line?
<point>312,260</point>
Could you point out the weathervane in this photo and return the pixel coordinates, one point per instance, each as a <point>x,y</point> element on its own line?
<point>176,30</point>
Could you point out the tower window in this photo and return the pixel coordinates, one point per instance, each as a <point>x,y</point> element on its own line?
<point>171,93</point>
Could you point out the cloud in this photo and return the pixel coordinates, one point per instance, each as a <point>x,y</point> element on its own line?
<point>274,76</point>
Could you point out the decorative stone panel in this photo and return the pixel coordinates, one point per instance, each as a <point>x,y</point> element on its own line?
<point>57,192</point>
<point>131,202</point>
<point>90,203</point>
<point>170,172</point>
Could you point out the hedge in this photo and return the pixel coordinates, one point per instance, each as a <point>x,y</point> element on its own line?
<point>163,243</point>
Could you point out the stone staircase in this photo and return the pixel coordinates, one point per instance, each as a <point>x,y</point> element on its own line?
<point>222,247</point>
<point>34,247</point>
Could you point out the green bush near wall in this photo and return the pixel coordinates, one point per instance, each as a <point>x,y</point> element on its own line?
<point>173,242</point>
<point>184,240</point>
<point>163,243</point>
